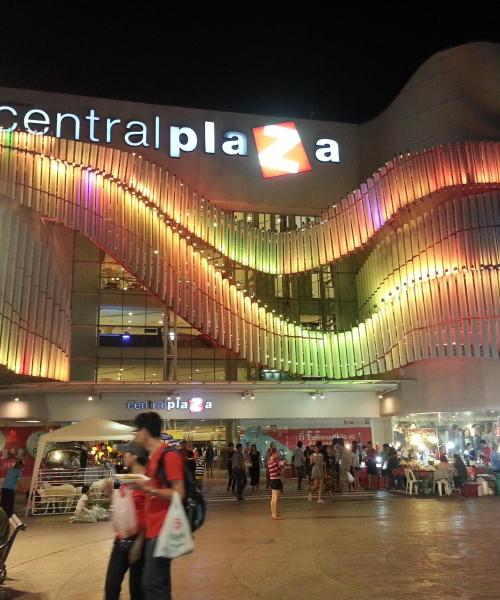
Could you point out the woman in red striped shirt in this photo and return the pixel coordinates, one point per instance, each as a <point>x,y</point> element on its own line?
<point>274,466</point>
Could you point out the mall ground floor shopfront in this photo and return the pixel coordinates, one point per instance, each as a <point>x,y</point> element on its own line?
<point>259,413</point>
<point>440,402</point>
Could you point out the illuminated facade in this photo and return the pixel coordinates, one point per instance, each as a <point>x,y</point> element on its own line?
<point>433,278</point>
<point>132,274</point>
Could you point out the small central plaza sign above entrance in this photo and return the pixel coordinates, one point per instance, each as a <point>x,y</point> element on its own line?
<point>279,147</point>
<point>194,405</point>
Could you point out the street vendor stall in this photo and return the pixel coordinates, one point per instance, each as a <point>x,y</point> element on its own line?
<point>56,490</point>
<point>480,480</point>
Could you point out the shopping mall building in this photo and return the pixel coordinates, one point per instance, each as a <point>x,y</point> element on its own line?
<point>268,277</point>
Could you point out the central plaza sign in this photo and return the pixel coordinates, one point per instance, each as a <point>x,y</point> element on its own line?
<point>194,405</point>
<point>280,149</point>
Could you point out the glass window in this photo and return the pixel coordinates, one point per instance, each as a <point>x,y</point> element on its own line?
<point>132,323</point>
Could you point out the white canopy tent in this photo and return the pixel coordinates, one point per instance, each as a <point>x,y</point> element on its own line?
<point>90,430</point>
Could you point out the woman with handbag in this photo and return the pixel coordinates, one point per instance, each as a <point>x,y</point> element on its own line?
<point>127,552</point>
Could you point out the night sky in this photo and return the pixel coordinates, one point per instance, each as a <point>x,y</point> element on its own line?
<point>311,64</point>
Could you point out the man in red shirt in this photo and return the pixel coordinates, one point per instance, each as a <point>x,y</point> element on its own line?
<point>156,580</point>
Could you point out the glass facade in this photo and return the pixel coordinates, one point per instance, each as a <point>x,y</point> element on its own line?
<point>122,332</point>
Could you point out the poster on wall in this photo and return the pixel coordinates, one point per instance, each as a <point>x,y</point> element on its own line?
<point>19,443</point>
<point>290,437</point>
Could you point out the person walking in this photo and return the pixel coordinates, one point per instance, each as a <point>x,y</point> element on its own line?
<point>299,463</point>
<point>200,463</point>
<point>84,455</point>
<point>355,465</point>
<point>135,459</point>
<point>308,452</point>
<point>274,466</point>
<point>255,467</point>
<point>231,481</point>
<point>156,576</point>
<point>317,474</point>
<point>371,466</point>
<point>8,496</point>
<point>330,472</point>
<point>239,471</point>
<point>183,449</point>
<point>209,460</point>
<point>393,463</point>
<point>191,462</point>
<point>345,467</point>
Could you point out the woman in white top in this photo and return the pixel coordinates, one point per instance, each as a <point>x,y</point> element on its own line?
<point>345,467</point>
<point>317,474</point>
<point>82,512</point>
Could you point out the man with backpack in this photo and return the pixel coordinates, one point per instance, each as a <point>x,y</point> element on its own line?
<point>166,475</point>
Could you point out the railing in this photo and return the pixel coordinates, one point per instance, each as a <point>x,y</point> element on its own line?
<point>57,490</point>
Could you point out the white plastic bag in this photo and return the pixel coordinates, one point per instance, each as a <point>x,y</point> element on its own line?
<point>350,478</point>
<point>175,537</point>
<point>124,516</point>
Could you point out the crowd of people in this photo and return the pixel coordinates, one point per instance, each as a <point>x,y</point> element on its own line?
<point>327,468</point>
<point>335,467</point>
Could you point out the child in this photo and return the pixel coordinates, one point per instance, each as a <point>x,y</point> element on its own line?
<point>82,512</point>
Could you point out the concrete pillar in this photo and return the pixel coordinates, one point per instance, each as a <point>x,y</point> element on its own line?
<point>381,431</point>
<point>228,425</point>
<point>84,309</point>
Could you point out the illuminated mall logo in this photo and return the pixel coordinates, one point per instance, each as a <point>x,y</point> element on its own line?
<point>194,405</point>
<point>280,150</point>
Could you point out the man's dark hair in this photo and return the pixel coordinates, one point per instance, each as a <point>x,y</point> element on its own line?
<point>231,444</point>
<point>85,489</point>
<point>239,446</point>
<point>142,460</point>
<point>299,444</point>
<point>150,421</point>
<point>184,442</point>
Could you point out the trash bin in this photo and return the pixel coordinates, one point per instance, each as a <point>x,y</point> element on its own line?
<point>497,483</point>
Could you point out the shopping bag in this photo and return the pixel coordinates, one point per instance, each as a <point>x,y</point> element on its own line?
<point>350,478</point>
<point>124,516</point>
<point>175,537</point>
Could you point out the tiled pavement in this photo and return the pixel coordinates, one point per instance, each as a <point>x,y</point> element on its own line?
<point>379,547</point>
